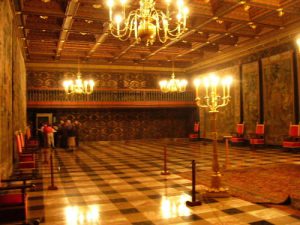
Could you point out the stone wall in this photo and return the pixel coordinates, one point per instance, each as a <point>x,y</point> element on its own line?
<point>13,88</point>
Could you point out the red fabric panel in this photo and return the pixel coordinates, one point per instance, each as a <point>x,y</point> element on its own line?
<point>19,146</point>
<point>290,144</point>
<point>27,165</point>
<point>240,128</point>
<point>26,158</point>
<point>193,136</point>
<point>11,199</point>
<point>260,129</point>
<point>22,140</point>
<point>294,130</point>
<point>257,141</point>
<point>196,127</point>
<point>237,139</point>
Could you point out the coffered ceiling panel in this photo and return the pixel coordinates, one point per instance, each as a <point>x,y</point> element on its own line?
<point>68,30</point>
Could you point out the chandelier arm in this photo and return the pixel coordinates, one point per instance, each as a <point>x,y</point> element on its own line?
<point>126,27</point>
<point>163,39</point>
<point>200,105</point>
<point>175,33</point>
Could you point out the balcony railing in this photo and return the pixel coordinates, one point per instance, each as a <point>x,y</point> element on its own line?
<point>110,98</point>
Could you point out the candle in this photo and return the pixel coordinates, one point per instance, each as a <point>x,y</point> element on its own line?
<point>197,84</point>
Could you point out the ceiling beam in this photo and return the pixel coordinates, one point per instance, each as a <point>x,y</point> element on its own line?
<point>99,41</point>
<point>67,24</point>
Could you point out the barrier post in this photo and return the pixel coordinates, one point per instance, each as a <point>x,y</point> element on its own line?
<point>52,186</point>
<point>165,171</point>
<point>194,202</point>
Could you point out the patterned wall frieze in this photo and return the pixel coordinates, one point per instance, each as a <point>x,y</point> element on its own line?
<point>54,79</point>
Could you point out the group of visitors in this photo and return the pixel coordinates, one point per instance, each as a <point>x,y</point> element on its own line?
<point>64,134</point>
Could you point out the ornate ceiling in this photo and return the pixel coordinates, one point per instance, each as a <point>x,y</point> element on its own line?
<point>61,31</point>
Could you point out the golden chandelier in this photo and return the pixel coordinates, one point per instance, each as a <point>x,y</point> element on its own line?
<point>173,85</point>
<point>78,86</point>
<point>147,23</point>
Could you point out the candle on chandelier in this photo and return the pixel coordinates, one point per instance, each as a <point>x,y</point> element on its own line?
<point>197,84</point>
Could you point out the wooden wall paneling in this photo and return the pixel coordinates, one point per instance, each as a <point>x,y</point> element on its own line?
<point>250,86</point>
<point>126,124</point>
<point>278,87</point>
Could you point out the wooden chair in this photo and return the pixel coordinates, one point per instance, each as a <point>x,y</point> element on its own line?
<point>238,136</point>
<point>258,138</point>
<point>13,201</point>
<point>195,135</point>
<point>293,139</point>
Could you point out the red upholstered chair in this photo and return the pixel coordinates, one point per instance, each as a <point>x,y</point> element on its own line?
<point>195,135</point>
<point>258,138</point>
<point>13,201</point>
<point>26,161</point>
<point>28,144</point>
<point>238,136</point>
<point>293,140</point>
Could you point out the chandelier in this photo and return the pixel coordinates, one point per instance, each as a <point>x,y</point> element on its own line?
<point>173,85</point>
<point>147,23</point>
<point>78,86</point>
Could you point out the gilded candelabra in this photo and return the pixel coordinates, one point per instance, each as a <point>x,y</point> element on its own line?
<point>213,101</point>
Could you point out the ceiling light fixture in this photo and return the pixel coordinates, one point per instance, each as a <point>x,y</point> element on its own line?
<point>173,85</point>
<point>44,17</point>
<point>280,12</point>
<point>97,6</point>
<point>78,86</point>
<point>88,21</point>
<point>246,7</point>
<point>146,23</point>
<point>252,25</point>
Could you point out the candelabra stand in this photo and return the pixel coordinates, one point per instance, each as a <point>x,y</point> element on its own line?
<point>212,100</point>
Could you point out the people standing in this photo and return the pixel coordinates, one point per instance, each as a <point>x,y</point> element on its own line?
<point>49,131</point>
<point>76,132</point>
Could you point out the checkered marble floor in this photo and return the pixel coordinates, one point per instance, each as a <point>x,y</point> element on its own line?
<point>121,183</point>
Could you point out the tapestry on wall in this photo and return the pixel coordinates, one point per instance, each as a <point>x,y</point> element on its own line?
<point>278,96</point>
<point>229,115</point>
<point>250,86</point>
<point>6,132</point>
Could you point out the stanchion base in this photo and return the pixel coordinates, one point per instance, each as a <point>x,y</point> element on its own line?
<point>165,172</point>
<point>195,203</point>
<point>52,187</point>
<point>212,193</point>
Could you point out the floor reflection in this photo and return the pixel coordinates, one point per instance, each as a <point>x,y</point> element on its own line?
<point>175,206</point>
<point>82,215</point>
